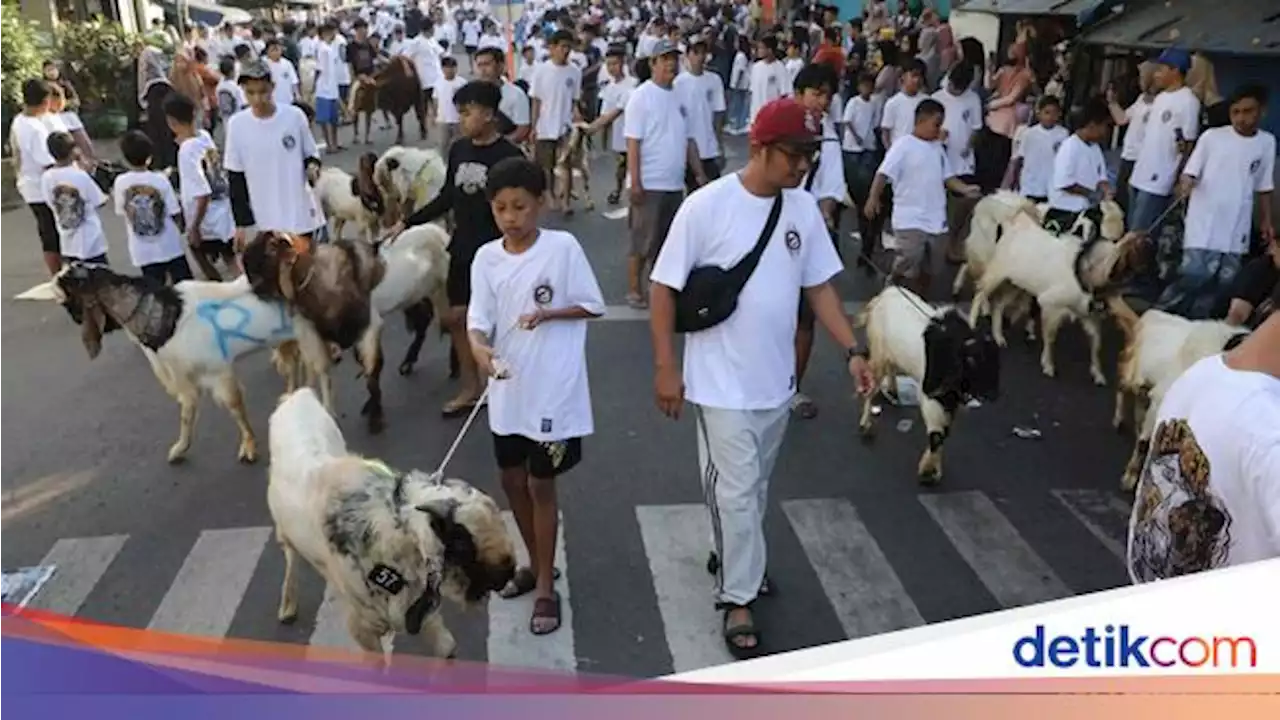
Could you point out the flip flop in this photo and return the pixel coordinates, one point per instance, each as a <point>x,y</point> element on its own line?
<point>546,608</point>
<point>523,583</point>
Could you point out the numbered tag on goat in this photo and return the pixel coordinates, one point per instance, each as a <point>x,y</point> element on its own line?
<point>387,579</point>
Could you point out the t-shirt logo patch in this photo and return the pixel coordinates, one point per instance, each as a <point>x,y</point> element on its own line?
<point>1146,116</point>
<point>966,115</point>
<point>68,207</point>
<point>144,208</point>
<point>289,142</point>
<point>793,241</point>
<point>684,112</point>
<point>568,82</point>
<point>1255,166</point>
<point>543,294</point>
<point>710,94</point>
<point>1057,145</point>
<point>1166,116</point>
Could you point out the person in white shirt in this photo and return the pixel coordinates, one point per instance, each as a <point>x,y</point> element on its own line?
<point>898,119</point>
<point>203,189</point>
<point>859,124</point>
<point>446,113</point>
<point>1208,494</point>
<point>1134,120</point>
<point>769,80</point>
<point>1228,174</point>
<point>1080,172</point>
<point>793,62</point>
<point>613,103</point>
<point>702,94</point>
<point>328,90</point>
<point>918,168</point>
<point>74,198</point>
<point>739,373</point>
<point>514,108</point>
<point>960,128</point>
<point>151,212</point>
<point>532,292</point>
<point>29,142</point>
<point>471,30</point>
<point>660,147</point>
<point>1031,169</point>
<point>283,74</point>
<point>491,38</point>
<point>740,89</point>
<point>1173,126</point>
<point>426,54</point>
<point>557,86</point>
<point>268,150</point>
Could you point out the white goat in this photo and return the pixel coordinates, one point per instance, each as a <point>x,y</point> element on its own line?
<point>417,268</point>
<point>191,333</point>
<point>390,545</point>
<point>1158,348</point>
<point>335,190</point>
<point>952,362</point>
<point>409,178</point>
<point>1062,272</point>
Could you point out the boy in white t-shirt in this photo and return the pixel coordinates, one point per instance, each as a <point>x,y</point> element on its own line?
<point>1079,179</point>
<point>203,188</point>
<point>446,114</point>
<point>29,141</point>
<point>556,89</point>
<point>152,215</point>
<point>613,102</point>
<point>74,198</point>
<point>1228,174</point>
<point>917,167</point>
<point>1031,169</point>
<point>532,292</point>
<point>1134,119</point>
<point>1166,141</point>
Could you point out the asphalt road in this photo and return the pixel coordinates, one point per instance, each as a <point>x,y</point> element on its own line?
<point>857,546</point>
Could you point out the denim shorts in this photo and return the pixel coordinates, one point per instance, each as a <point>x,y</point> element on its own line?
<point>327,111</point>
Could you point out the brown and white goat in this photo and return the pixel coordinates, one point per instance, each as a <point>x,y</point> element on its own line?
<point>358,200</point>
<point>1064,273</point>
<point>573,165</point>
<point>331,285</point>
<point>409,178</point>
<point>952,361</point>
<point>1158,348</point>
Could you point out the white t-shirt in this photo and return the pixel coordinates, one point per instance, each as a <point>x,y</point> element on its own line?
<point>899,115</point>
<point>200,174</point>
<point>307,47</point>
<point>271,153</point>
<point>703,97</point>
<point>769,81</point>
<point>747,362</point>
<point>74,198</point>
<point>740,74</point>
<point>861,119</point>
<point>614,96</point>
<point>547,396</point>
<point>327,77</point>
<point>146,201</point>
<point>471,33</point>
<point>1157,162</point>
<point>492,40</point>
<point>1209,493</point>
<point>514,104</point>
<point>793,67</point>
<point>446,111</point>
<point>1138,114</point>
<point>444,33</point>
<point>646,44</point>
<point>918,171</point>
<point>29,138</point>
<point>556,88</point>
<point>425,53</point>
<point>656,116</point>
<point>65,121</point>
<point>1232,169</point>
<point>962,119</point>
<point>1077,163</point>
<point>829,181</point>
<point>285,78</point>
<point>1038,148</point>
<point>343,69</point>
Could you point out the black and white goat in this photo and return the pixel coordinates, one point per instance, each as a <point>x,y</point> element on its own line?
<point>573,166</point>
<point>356,199</point>
<point>952,361</point>
<point>390,544</point>
<point>409,178</point>
<point>191,333</point>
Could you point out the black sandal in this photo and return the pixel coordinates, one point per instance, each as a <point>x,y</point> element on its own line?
<point>741,630</point>
<point>766,586</point>
<point>523,583</point>
<point>544,609</point>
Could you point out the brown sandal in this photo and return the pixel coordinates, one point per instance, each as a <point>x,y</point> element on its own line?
<point>545,609</point>
<point>523,583</point>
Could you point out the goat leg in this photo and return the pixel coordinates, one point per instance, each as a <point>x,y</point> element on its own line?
<point>1091,328</point>
<point>187,406</point>
<point>418,318</point>
<point>937,423</point>
<point>370,347</point>
<point>1051,318</point>
<point>230,395</point>
<point>436,637</point>
<point>288,611</point>
<point>962,275</point>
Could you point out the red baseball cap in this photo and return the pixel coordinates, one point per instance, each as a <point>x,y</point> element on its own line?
<point>786,121</point>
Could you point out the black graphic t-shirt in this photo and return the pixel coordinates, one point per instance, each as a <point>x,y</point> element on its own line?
<point>464,194</point>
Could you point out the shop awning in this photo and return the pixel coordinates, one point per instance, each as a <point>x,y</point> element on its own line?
<point>1070,8</point>
<point>208,12</point>
<point>1233,27</point>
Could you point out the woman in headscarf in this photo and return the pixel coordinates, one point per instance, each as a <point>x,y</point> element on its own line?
<point>154,86</point>
<point>1009,88</point>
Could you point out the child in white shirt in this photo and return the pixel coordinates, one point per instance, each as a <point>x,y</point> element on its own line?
<point>532,292</point>
<point>1032,166</point>
<point>74,198</point>
<point>1080,172</point>
<point>204,190</point>
<point>446,114</point>
<point>152,215</point>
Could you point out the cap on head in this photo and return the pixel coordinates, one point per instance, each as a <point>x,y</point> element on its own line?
<point>254,70</point>
<point>664,47</point>
<point>786,121</point>
<point>1176,58</point>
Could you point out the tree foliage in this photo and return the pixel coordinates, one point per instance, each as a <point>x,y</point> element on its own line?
<point>97,57</point>
<point>23,49</point>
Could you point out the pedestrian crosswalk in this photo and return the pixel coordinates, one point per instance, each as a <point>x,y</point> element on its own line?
<point>836,542</point>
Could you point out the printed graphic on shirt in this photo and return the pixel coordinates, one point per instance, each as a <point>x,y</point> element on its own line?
<point>543,294</point>
<point>793,240</point>
<point>228,104</point>
<point>68,207</point>
<point>1180,527</point>
<point>144,209</point>
<point>471,178</point>
<point>214,174</point>
<point>289,142</point>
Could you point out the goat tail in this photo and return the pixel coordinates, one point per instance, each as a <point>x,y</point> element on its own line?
<point>1125,317</point>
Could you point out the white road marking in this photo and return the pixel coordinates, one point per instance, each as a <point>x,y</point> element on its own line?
<point>1005,563</point>
<point>1102,514</point>
<point>331,622</point>
<point>617,213</point>
<point>858,580</point>
<point>511,644</point>
<point>676,544</point>
<point>209,587</point>
<point>80,563</point>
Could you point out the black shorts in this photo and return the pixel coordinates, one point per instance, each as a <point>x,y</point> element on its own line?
<point>457,285</point>
<point>216,250</point>
<point>169,271</point>
<point>46,227</point>
<point>544,460</point>
<point>471,49</point>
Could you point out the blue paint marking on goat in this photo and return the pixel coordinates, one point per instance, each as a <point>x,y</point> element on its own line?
<point>212,312</point>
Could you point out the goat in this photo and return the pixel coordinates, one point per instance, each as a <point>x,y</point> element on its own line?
<point>191,333</point>
<point>1158,348</point>
<point>409,178</point>
<point>1063,273</point>
<point>953,361</point>
<point>573,164</point>
<point>417,268</point>
<point>307,80</point>
<point>389,544</point>
<point>344,198</point>
<point>331,286</point>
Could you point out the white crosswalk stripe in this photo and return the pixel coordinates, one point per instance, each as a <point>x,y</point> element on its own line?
<point>853,575</point>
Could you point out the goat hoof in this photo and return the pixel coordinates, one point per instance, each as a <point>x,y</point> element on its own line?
<point>287,617</point>
<point>867,432</point>
<point>248,456</point>
<point>1048,370</point>
<point>1100,380</point>
<point>376,424</point>
<point>406,368</point>
<point>177,455</point>
<point>930,478</point>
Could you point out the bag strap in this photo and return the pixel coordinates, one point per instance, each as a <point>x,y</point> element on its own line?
<point>741,272</point>
<point>813,173</point>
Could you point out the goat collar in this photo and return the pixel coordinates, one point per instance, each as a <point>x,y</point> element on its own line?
<point>299,250</point>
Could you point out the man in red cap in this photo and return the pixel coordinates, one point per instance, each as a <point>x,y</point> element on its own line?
<point>740,372</point>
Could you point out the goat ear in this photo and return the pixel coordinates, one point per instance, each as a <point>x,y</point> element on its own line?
<point>937,352</point>
<point>92,329</point>
<point>440,509</point>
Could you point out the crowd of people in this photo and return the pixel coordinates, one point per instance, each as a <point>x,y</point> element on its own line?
<point>886,125</point>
